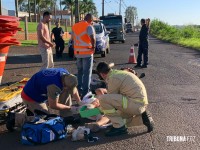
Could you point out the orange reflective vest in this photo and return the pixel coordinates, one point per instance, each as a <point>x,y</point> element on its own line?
<point>82,42</point>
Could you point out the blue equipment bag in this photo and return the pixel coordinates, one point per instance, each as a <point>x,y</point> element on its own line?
<point>45,131</point>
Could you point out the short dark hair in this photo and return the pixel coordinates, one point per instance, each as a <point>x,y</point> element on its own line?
<point>46,13</point>
<point>103,67</point>
<point>88,17</point>
<point>143,21</point>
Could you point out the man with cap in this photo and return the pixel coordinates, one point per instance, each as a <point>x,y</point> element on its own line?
<point>124,101</point>
<point>54,85</point>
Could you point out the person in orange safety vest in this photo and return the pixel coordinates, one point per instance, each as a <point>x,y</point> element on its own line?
<point>83,35</point>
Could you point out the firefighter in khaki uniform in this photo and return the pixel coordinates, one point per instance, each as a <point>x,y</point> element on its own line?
<point>125,100</point>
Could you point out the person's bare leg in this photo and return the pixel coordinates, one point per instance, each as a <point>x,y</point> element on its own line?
<point>104,120</point>
<point>95,126</point>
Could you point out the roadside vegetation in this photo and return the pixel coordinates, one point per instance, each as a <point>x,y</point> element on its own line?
<point>29,43</point>
<point>35,42</point>
<point>188,36</point>
<point>32,28</point>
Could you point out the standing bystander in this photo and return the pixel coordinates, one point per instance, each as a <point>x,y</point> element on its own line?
<point>57,37</point>
<point>83,35</point>
<point>44,41</point>
<point>143,46</point>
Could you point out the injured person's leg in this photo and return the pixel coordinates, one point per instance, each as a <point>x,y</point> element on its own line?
<point>96,126</point>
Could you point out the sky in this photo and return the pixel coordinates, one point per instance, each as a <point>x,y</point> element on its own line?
<point>173,12</point>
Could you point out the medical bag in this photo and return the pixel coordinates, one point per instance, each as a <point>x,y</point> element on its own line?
<point>42,131</point>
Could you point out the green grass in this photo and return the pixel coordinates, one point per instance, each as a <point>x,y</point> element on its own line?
<point>29,43</point>
<point>34,42</point>
<point>187,36</point>
<point>193,43</point>
<point>32,27</point>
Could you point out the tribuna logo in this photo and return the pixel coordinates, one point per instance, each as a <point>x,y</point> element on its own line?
<point>180,138</point>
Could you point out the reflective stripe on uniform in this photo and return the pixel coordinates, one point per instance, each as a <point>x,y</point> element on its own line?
<point>124,102</point>
<point>79,42</point>
<point>82,43</point>
<point>84,52</point>
<point>83,47</point>
<point>109,111</point>
<point>2,58</point>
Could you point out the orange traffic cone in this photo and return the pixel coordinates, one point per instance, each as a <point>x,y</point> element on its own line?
<point>3,56</point>
<point>132,59</point>
<point>8,28</point>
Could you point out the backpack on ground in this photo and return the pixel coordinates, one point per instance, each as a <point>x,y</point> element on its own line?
<point>42,131</point>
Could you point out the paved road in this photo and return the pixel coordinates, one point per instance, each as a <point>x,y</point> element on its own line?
<point>172,81</point>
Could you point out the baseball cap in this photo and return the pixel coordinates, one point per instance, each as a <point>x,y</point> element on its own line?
<point>70,81</point>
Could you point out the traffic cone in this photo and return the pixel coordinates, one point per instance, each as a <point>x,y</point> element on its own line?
<point>3,57</point>
<point>8,28</point>
<point>132,59</point>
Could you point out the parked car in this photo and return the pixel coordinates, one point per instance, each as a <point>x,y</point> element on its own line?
<point>102,41</point>
<point>129,27</point>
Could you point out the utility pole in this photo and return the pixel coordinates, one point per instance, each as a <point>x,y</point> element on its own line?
<point>29,11</point>
<point>102,7</point>
<point>16,7</point>
<point>35,11</point>
<point>0,8</point>
<point>60,10</point>
<point>76,11</point>
<point>120,4</point>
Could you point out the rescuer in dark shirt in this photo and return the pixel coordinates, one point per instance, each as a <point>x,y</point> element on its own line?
<point>143,46</point>
<point>57,37</point>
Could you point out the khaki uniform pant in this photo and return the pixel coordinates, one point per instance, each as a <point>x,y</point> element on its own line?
<point>20,118</point>
<point>112,106</point>
<point>47,58</point>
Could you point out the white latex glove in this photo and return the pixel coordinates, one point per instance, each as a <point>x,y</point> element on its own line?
<point>88,98</point>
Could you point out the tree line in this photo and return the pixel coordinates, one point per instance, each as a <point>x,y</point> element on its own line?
<point>85,6</point>
<point>36,6</point>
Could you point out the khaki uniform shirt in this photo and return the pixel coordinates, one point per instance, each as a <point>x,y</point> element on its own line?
<point>54,92</point>
<point>127,84</point>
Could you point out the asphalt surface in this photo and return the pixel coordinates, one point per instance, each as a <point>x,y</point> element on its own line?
<point>172,81</point>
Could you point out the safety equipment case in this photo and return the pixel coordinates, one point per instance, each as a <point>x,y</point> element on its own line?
<point>10,99</point>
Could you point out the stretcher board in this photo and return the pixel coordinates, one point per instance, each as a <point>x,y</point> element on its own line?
<point>10,99</point>
<point>11,95</point>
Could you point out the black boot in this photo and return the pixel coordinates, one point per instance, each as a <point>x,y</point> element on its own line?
<point>144,66</point>
<point>116,131</point>
<point>138,66</point>
<point>10,121</point>
<point>148,121</point>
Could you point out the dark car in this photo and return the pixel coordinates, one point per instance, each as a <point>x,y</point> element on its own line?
<point>129,27</point>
